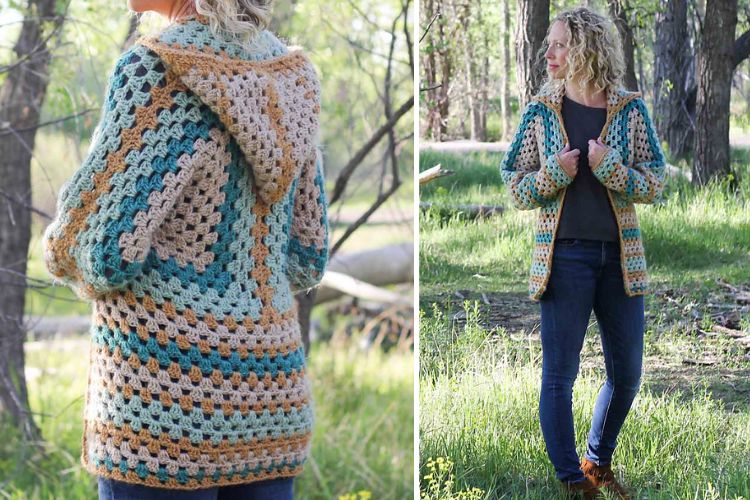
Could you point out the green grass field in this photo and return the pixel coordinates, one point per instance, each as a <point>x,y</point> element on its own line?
<point>688,435</point>
<point>695,236</point>
<point>362,440</point>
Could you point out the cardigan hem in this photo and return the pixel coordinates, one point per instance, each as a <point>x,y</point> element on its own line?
<point>173,484</point>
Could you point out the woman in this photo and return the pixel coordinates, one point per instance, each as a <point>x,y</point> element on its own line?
<point>584,153</point>
<point>199,209</point>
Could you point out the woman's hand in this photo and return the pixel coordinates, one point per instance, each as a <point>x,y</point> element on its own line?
<point>568,160</point>
<point>597,149</point>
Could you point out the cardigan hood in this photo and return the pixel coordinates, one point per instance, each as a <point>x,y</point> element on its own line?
<point>617,98</point>
<point>270,105</point>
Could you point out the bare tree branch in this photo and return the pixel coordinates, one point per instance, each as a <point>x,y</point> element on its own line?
<point>15,200</point>
<point>429,25</point>
<point>10,130</point>
<point>355,44</point>
<point>407,35</point>
<point>135,21</point>
<point>351,166</point>
<point>364,217</point>
<point>388,111</point>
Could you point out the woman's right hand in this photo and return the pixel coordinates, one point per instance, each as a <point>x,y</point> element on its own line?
<point>568,160</point>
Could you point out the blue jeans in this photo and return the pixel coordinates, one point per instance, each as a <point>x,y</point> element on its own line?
<point>270,489</point>
<point>586,275</point>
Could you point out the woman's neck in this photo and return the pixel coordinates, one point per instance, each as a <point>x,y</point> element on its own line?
<point>585,95</point>
<point>182,9</point>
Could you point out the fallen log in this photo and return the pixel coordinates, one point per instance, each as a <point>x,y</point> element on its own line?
<point>45,328</point>
<point>365,291</point>
<point>472,211</point>
<point>433,173</point>
<point>740,295</point>
<point>387,265</point>
<point>729,332</point>
<point>469,146</point>
<point>700,362</point>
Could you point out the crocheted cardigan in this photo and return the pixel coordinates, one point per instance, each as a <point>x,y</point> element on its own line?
<point>199,209</point>
<point>632,170</point>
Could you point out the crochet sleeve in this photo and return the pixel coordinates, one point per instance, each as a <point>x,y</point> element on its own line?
<point>109,209</point>
<point>644,182</point>
<point>531,185</point>
<point>307,256</point>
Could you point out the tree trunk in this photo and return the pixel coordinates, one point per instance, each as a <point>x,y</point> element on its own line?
<point>641,74</point>
<point>437,70</point>
<point>741,53</point>
<point>446,72</point>
<point>484,101</point>
<point>671,64</point>
<point>715,67</point>
<point>478,66</point>
<point>21,98</point>
<point>483,76</point>
<point>741,48</point>
<point>430,70</point>
<point>619,10</point>
<point>533,21</point>
<point>505,73</point>
<point>472,92</point>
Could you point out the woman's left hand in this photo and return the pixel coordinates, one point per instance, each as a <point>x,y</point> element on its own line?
<point>597,149</point>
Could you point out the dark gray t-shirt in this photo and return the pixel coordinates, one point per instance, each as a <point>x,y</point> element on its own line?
<point>586,213</point>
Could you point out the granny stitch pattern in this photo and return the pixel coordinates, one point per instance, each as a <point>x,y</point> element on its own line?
<point>198,211</point>
<point>632,169</point>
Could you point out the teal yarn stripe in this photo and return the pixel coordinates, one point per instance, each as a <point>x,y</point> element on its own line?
<point>199,426</point>
<point>131,343</point>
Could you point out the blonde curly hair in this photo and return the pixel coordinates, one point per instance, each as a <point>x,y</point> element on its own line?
<point>240,20</point>
<point>595,57</point>
<point>237,20</point>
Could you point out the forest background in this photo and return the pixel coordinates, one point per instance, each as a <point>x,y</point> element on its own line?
<point>688,434</point>
<point>55,59</point>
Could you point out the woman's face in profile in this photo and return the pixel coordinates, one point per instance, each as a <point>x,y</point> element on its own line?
<point>557,50</point>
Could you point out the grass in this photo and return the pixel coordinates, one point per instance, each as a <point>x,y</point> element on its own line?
<point>362,440</point>
<point>476,178</point>
<point>688,434</point>
<point>479,393</point>
<point>696,235</point>
<point>457,253</point>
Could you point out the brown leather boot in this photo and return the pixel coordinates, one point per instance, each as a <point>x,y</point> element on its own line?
<point>603,477</point>
<point>586,488</point>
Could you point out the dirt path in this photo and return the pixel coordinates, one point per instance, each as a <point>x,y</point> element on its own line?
<point>512,311</point>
